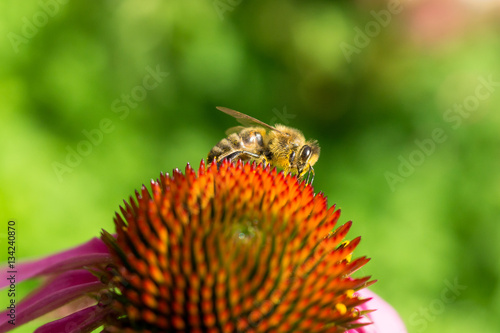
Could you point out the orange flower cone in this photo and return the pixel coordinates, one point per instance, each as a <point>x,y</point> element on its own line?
<point>235,248</point>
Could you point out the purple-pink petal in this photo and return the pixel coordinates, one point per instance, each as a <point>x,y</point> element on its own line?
<point>83,321</point>
<point>87,254</point>
<point>384,320</point>
<point>56,292</point>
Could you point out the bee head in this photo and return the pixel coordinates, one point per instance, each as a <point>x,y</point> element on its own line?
<point>305,157</point>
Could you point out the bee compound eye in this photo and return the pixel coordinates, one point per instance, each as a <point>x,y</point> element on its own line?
<point>292,157</point>
<point>305,153</point>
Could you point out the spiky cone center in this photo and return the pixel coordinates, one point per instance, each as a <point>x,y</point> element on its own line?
<point>237,248</point>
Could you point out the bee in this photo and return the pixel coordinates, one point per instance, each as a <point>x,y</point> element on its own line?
<point>278,145</point>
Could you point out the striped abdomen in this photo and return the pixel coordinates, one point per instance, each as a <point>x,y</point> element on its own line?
<point>244,145</point>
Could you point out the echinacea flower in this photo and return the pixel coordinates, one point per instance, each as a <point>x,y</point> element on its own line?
<point>235,248</point>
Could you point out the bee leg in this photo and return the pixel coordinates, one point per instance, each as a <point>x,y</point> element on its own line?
<point>310,173</point>
<point>260,159</point>
<point>263,160</point>
<point>235,155</point>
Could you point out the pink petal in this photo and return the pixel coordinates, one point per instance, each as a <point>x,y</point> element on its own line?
<point>83,321</point>
<point>53,294</point>
<point>92,252</point>
<point>385,319</point>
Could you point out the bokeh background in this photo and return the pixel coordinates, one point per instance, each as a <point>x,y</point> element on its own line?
<point>402,96</point>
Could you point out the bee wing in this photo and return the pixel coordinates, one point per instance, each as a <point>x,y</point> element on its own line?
<point>246,120</point>
<point>235,129</point>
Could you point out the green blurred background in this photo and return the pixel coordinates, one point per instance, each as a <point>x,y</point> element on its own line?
<point>370,80</point>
